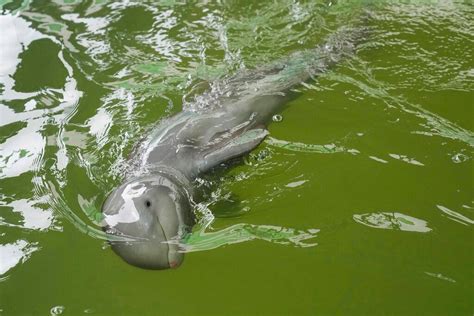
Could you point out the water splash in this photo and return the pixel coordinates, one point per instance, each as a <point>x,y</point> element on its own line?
<point>57,310</point>
<point>57,202</point>
<point>238,233</point>
<point>459,158</point>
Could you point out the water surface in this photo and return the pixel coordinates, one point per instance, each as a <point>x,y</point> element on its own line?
<point>359,202</point>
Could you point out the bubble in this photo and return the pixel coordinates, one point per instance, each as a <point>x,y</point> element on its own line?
<point>458,158</point>
<point>277,118</point>
<point>57,310</point>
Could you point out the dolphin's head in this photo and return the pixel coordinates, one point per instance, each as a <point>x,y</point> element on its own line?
<point>153,212</point>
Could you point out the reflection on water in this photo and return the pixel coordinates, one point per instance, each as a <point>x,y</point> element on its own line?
<point>393,221</point>
<point>82,82</point>
<point>15,253</point>
<point>406,159</point>
<point>455,216</point>
<point>16,37</point>
<point>32,216</point>
<point>440,276</point>
<point>307,148</point>
<point>22,151</point>
<point>16,161</point>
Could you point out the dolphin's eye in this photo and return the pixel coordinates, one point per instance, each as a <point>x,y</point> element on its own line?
<point>148,203</point>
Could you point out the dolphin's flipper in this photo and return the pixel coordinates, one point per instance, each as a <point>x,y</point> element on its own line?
<point>236,147</point>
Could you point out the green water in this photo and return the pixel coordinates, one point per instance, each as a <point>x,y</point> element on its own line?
<point>359,203</point>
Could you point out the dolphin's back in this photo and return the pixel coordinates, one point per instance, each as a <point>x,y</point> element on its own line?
<point>301,66</point>
<point>206,132</point>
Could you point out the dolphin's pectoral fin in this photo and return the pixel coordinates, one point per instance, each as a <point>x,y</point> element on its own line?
<point>233,148</point>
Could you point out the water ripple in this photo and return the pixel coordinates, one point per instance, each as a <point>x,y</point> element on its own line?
<point>66,138</point>
<point>392,221</point>
<point>238,233</point>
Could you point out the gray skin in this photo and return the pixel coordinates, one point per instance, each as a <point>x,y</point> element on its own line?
<point>152,208</point>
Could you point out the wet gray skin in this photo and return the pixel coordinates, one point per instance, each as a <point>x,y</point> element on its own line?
<point>153,206</point>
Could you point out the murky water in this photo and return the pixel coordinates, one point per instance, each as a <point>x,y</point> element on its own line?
<point>359,202</point>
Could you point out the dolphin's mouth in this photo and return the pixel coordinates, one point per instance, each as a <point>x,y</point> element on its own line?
<point>174,264</point>
<point>164,241</point>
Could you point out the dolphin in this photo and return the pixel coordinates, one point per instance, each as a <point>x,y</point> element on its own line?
<point>153,206</point>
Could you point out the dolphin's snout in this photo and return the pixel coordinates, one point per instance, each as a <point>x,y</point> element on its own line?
<point>174,264</point>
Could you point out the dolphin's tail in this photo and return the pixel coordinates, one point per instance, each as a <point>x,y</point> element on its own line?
<point>278,78</point>
<point>305,65</point>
